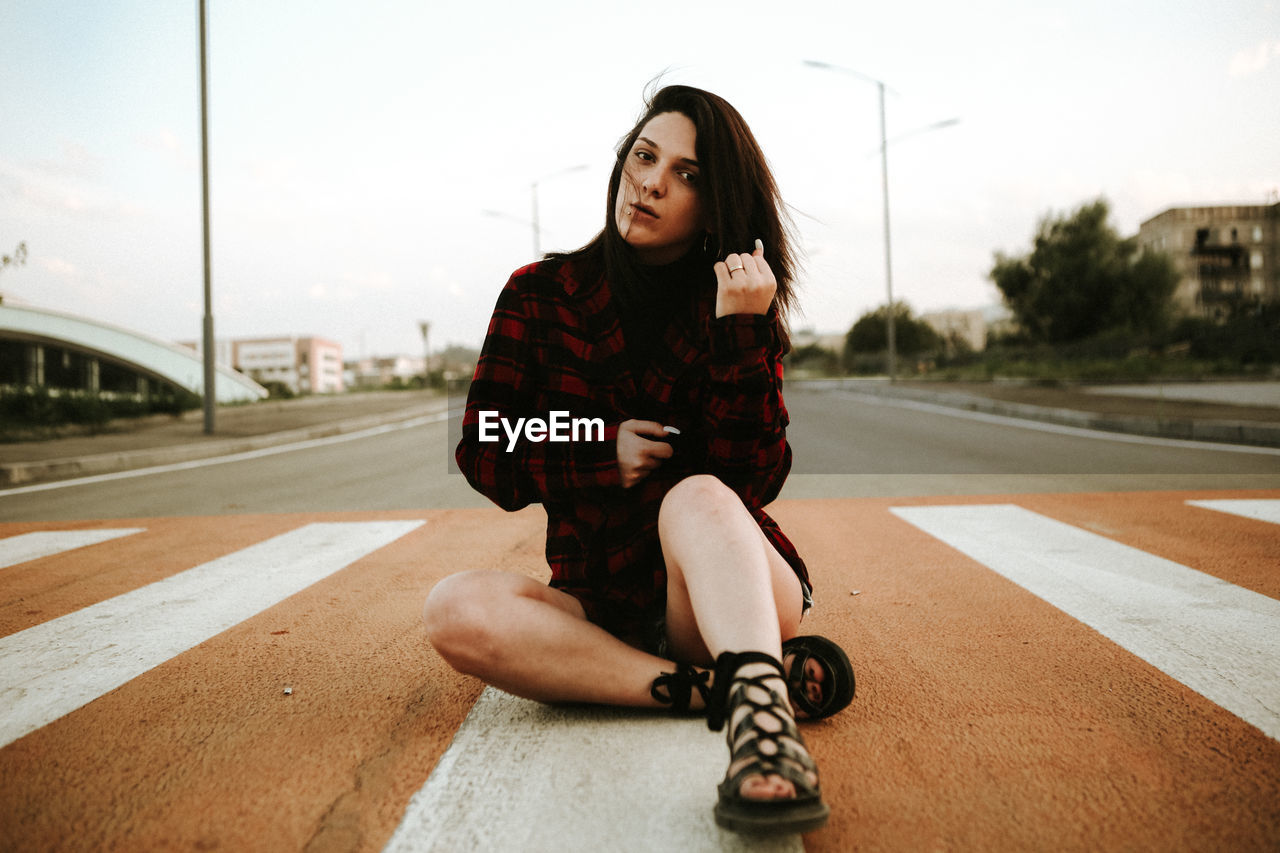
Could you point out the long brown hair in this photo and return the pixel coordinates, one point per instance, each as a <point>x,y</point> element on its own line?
<point>738,190</point>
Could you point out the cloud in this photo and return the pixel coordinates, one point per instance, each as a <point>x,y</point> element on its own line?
<point>167,143</point>
<point>1254,60</point>
<point>75,162</point>
<point>59,267</point>
<point>69,185</point>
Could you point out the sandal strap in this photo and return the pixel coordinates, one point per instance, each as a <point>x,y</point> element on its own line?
<point>679,687</point>
<point>787,757</point>
<point>795,684</point>
<point>727,666</point>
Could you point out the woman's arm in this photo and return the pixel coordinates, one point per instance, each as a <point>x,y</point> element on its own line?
<point>506,384</point>
<point>743,414</point>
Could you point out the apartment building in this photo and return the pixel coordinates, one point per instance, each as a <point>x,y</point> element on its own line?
<point>304,365</point>
<point>1225,255</point>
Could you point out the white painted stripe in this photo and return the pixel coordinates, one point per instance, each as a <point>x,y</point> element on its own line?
<point>1060,429</point>
<point>1216,638</point>
<point>46,543</point>
<point>525,776</point>
<point>53,668</point>
<point>1259,509</point>
<point>233,457</point>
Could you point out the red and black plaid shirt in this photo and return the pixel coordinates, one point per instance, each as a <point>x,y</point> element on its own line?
<point>555,344</point>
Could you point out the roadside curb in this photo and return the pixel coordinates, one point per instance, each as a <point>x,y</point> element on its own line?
<point>25,473</point>
<point>1256,433</point>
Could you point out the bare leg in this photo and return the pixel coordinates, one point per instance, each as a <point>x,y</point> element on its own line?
<point>728,589</point>
<point>533,641</point>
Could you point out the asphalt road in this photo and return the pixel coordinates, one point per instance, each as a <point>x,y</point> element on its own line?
<point>1036,672</point>
<point>846,445</point>
<point>1081,663</point>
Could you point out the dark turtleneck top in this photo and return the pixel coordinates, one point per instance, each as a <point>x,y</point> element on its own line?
<point>659,294</point>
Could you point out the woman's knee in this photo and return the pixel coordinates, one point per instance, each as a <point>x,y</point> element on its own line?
<point>458,614</point>
<point>698,493</point>
<point>468,615</point>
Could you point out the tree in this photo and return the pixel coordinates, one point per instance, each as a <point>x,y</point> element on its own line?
<point>17,259</point>
<point>870,333</point>
<point>1082,278</point>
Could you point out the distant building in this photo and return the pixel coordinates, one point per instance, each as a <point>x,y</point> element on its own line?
<point>381,372</point>
<point>63,352</point>
<point>969,327</point>
<point>1224,255</point>
<point>304,365</point>
<point>833,341</point>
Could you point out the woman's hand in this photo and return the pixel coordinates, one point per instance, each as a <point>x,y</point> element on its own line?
<point>745,284</point>
<point>637,455</point>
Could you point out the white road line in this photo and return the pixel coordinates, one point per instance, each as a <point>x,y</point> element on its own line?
<point>45,543</point>
<point>234,457</point>
<point>1216,638</point>
<point>1259,509</point>
<point>1061,429</point>
<point>53,668</point>
<point>524,776</point>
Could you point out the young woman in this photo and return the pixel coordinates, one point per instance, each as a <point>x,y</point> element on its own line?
<point>637,382</point>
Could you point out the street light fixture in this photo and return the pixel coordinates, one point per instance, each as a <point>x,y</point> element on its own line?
<point>884,178</point>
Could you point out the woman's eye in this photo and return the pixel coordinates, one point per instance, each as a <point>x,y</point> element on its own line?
<point>645,156</point>
<point>689,177</point>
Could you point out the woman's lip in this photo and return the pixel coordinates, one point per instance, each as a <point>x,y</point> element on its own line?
<point>647,211</point>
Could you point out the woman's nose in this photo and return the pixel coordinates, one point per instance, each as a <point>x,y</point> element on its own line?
<point>653,185</point>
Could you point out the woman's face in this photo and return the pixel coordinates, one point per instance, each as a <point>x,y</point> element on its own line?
<point>659,211</point>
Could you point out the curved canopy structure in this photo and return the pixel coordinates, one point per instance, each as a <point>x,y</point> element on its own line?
<point>148,356</point>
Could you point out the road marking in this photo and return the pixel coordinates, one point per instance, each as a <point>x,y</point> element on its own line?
<point>234,457</point>
<point>1258,509</point>
<point>1061,429</point>
<point>52,669</point>
<point>45,543</point>
<point>1216,638</point>
<point>521,775</point>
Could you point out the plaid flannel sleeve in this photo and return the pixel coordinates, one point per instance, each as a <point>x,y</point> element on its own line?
<point>744,414</point>
<point>505,386</point>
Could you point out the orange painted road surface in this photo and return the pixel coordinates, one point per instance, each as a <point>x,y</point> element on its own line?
<point>1035,672</point>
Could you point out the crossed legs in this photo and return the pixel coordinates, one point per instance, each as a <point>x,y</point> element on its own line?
<point>728,589</point>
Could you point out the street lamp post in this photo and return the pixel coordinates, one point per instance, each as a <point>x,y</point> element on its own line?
<point>890,315</point>
<point>533,191</point>
<point>890,333</point>
<point>210,373</point>
<point>425,328</point>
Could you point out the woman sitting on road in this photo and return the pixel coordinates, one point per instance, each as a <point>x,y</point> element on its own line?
<point>663,562</point>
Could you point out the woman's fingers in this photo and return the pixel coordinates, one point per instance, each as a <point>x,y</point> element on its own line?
<point>638,451</point>
<point>744,283</point>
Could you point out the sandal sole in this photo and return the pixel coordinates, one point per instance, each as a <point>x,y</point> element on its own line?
<point>762,818</point>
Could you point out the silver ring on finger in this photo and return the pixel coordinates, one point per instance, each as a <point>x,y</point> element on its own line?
<point>733,270</point>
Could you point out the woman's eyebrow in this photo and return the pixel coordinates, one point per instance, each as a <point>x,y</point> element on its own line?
<point>647,141</point>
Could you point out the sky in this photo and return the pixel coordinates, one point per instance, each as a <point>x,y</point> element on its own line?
<point>372,163</point>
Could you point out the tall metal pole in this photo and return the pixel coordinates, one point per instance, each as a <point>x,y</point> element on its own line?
<point>890,322</point>
<point>210,372</point>
<point>537,231</point>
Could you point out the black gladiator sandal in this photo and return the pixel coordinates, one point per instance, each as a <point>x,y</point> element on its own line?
<point>755,750</point>
<point>676,688</point>
<point>838,687</point>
